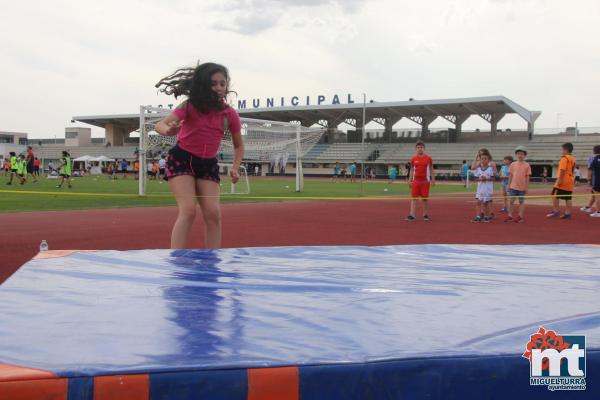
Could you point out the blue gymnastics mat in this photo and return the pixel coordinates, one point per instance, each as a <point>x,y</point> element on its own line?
<point>413,321</point>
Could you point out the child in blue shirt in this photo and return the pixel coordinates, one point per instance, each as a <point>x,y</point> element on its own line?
<point>504,178</point>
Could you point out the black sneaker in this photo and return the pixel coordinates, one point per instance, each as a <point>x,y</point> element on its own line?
<point>476,220</point>
<point>410,218</point>
<point>487,219</point>
<point>426,217</point>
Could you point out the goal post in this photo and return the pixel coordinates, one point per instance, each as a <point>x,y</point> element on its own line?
<point>266,142</point>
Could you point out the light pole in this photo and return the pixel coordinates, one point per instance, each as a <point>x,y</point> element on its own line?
<point>362,144</point>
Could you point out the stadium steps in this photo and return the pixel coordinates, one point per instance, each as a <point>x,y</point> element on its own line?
<point>315,151</point>
<point>55,153</point>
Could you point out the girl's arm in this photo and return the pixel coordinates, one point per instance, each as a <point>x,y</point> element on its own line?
<point>238,155</point>
<point>168,126</point>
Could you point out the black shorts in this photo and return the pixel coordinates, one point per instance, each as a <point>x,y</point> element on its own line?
<point>563,194</point>
<point>181,162</point>
<point>30,168</point>
<point>161,171</point>
<point>65,175</point>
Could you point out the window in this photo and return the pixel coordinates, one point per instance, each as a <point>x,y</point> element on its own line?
<point>6,139</point>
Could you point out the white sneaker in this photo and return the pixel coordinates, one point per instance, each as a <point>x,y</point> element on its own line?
<point>596,214</point>
<point>586,209</point>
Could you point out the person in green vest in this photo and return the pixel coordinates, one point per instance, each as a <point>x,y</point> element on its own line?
<point>64,169</point>
<point>22,169</point>
<point>13,167</point>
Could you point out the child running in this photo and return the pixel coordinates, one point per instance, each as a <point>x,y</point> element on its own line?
<point>30,163</point>
<point>192,167</point>
<point>565,183</point>
<point>520,172</point>
<point>7,167</point>
<point>13,167</point>
<point>421,177</point>
<point>504,176</point>
<point>485,175</point>
<point>64,169</point>
<point>22,169</point>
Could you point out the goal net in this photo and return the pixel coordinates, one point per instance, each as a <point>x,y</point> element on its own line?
<point>270,144</point>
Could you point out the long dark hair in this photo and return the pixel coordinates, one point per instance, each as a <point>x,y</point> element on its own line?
<point>196,84</point>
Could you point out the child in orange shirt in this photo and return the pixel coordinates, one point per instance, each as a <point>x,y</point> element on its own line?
<point>565,183</point>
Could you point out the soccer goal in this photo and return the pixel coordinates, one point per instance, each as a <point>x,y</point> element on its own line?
<point>268,143</point>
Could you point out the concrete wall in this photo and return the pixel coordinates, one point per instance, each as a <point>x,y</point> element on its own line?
<point>15,136</point>
<point>6,148</point>
<point>83,137</point>
<point>115,135</point>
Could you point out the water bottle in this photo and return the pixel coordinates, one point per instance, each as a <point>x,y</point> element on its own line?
<point>43,246</point>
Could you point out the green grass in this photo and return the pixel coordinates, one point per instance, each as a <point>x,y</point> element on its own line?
<point>100,192</point>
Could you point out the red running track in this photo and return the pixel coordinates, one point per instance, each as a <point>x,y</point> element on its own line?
<point>282,224</point>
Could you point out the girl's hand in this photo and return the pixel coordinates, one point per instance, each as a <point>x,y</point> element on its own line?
<point>173,128</point>
<point>235,176</point>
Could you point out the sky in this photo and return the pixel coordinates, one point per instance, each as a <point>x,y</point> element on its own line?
<point>72,58</point>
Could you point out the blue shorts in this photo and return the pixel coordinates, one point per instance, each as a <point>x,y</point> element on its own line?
<point>517,194</point>
<point>505,188</point>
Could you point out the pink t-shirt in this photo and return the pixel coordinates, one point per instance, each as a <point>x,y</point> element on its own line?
<point>201,134</point>
<point>519,172</point>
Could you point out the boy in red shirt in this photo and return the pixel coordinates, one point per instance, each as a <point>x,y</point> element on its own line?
<point>421,177</point>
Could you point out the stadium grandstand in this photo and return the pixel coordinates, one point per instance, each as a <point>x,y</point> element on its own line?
<point>380,149</point>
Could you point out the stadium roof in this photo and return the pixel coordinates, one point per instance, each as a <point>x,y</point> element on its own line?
<point>423,112</point>
<point>415,110</point>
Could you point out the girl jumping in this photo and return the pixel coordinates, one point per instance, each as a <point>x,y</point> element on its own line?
<point>192,169</point>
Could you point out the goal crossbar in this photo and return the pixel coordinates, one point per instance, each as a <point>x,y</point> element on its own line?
<point>268,142</point>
